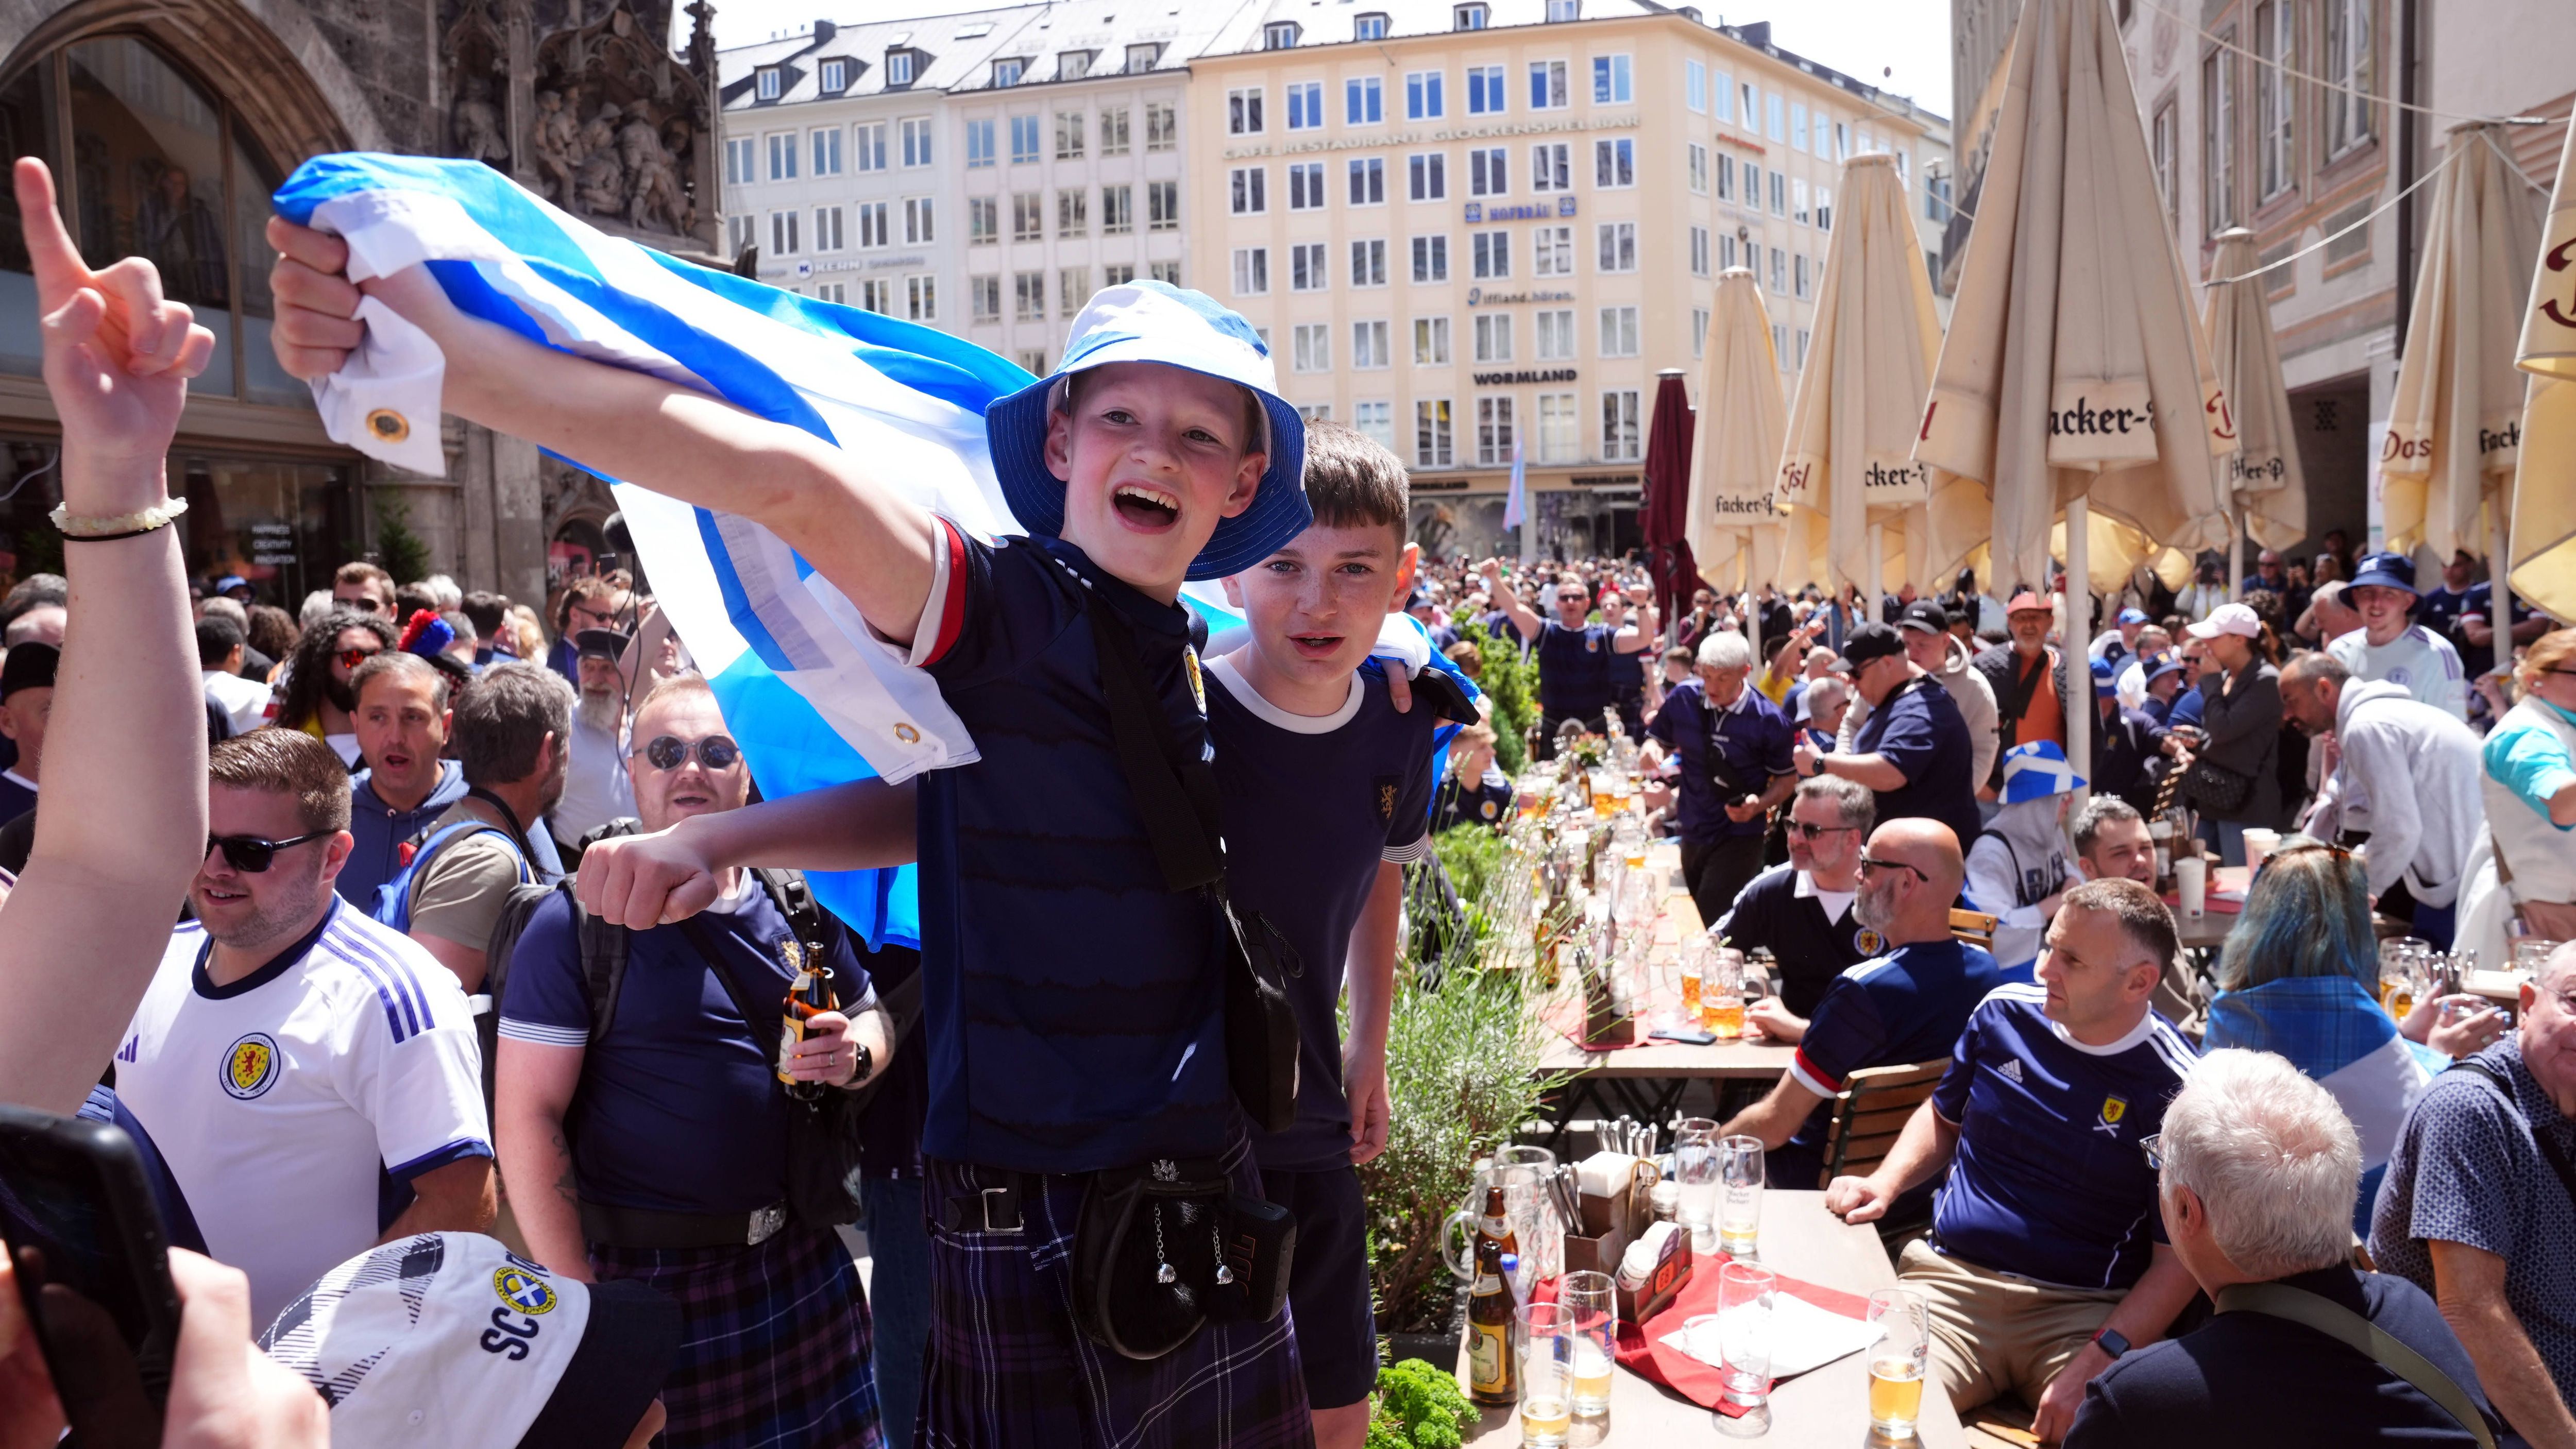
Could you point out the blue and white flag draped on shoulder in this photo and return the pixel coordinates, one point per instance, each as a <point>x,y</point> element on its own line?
<point>2332,1029</point>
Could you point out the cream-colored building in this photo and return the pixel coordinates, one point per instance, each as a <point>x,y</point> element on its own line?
<point>1466,228</point>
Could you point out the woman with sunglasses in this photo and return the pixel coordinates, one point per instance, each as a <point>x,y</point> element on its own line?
<point>2529,789</point>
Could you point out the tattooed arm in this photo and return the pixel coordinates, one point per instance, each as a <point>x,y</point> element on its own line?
<point>533,1087</point>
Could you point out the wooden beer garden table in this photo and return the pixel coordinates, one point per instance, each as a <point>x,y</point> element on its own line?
<point>1826,1407</point>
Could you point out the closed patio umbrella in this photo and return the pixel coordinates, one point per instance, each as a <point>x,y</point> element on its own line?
<point>1666,507</point>
<point>1847,475</point>
<point>1735,533</point>
<point>2074,376</point>
<point>2544,495</point>
<point>2265,492</point>
<point>2455,419</point>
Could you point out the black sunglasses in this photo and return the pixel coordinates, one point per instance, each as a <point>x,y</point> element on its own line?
<point>1805,831</point>
<point>670,752</point>
<point>1866,863</point>
<point>254,855</point>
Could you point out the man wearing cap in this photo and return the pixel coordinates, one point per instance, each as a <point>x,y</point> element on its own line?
<point>2392,649</point>
<point>1914,749</point>
<point>2029,683</point>
<point>1576,661</point>
<point>2021,864</point>
<point>595,789</point>
<point>451,1339</point>
<point>2410,781</point>
<point>2114,645</point>
<point>26,702</point>
<point>1733,747</point>
<point>2126,737</point>
<point>1925,627</point>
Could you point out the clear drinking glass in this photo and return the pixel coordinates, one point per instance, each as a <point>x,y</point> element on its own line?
<point>1898,1361</point>
<point>1545,1343</point>
<point>1739,1208</point>
<point>1592,1299</point>
<point>1721,995</point>
<point>1695,1172</point>
<point>1520,1206</point>
<point>2528,953</point>
<point>1542,1228</point>
<point>1745,1298</point>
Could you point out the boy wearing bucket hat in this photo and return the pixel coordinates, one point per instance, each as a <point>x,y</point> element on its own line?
<point>2022,862</point>
<point>1074,1016</point>
<point>2390,648</point>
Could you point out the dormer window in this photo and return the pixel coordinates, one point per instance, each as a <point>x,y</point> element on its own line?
<point>834,76</point>
<point>1564,10</point>
<point>1072,64</point>
<point>898,68</point>
<point>1141,58</point>
<point>1279,35</point>
<point>1007,72</point>
<point>1368,27</point>
<point>1470,17</point>
<point>769,83</point>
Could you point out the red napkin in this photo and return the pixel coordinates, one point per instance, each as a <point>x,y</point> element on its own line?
<point>1643,1350</point>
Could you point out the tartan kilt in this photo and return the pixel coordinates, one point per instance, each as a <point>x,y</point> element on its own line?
<point>1010,1369</point>
<point>774,1342</point>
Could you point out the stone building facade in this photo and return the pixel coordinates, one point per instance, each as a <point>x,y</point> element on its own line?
<point>168,122</point>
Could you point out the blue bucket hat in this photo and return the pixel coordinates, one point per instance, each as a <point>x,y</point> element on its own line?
<point>2037,770</point>
<point>1156,322</point>
<point>2157,666</point>
<point>2388,571</point>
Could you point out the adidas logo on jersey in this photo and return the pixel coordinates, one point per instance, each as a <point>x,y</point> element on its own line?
<point>2011,1070</point>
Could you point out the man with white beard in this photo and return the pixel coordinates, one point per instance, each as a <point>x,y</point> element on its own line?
<point>596,789</point>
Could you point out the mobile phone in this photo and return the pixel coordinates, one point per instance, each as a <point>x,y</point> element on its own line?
<point>74,1192</point>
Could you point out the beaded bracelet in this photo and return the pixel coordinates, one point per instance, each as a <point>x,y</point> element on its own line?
<point>86,528</point>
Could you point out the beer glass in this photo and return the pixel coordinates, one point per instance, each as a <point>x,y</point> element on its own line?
<point>1628,832</point>
<point>1898,1361</point>
<point>1520,1204</point>
<point>1721,996</point>
<point>1695,1171</point>
<point>1698,956</point>
<point>1545,1343</point>
<point>1593,1300</point>
<point>1543,1237</point>
<point>1745,1297</point>
<point>2399,964</point>
<point>2528,953</point>
<point>1739,1208</point>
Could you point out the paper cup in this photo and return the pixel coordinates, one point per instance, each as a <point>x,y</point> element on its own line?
<point>2259,845</point>
<point>2191,875</point>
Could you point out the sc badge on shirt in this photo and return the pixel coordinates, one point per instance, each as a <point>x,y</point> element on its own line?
<point>2113,1109</point>
<point>519,1285</point>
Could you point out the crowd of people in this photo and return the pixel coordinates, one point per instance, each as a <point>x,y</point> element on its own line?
<point>448,989</point>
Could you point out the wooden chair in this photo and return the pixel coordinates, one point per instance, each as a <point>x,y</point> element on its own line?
<point>1973,928</point>
<point>1871,1111</point>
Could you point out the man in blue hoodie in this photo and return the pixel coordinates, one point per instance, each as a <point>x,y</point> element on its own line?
<point>402,723</point>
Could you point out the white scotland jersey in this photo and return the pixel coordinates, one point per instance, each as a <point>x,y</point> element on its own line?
<point>293,1104</point>
<point>2419,660</point>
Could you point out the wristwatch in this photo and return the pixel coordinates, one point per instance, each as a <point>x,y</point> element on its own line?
<point>2109,1340</point>
<point>867,1060</point>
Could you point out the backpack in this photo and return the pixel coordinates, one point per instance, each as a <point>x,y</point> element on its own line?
<point>393,898</point>
<point>603,956</point>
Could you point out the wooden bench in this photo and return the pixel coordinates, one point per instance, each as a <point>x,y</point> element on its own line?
<point>1871,1111</point>
<point>1973,928</point>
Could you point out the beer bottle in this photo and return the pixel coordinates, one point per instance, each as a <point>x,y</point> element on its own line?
<point>1491,1377</point>
<point>812,992</point>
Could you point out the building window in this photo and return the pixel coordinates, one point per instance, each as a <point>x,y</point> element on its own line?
<point>1431,259</point>
<point>1618,332</point>
<point>877,295</point>
<point>1556,335</point>
<point>1698,155</point>
<point>827,151</point>
<point>1279,35</point>
<point>1619,432</point>
<point>1798,201</point>
<point>1468,17</point>
<point>1306,186</point>
<point>916,221</point>
<point>1725,177</point>
<point>1806,289</point>
<point>979,146</point>
<point>1024,140</point>
<point>1493,337</point>
<point>1251,271</point>
<point>1368,263</point>
<point>1069,129</point>
<point>1825,204</point>
<point>1072,213</point>
<point>1547,85</point>
<point>1699,251</point>
<point>2348,68</point>
<point>1614,163</point>
<point>921,298</point>
<point>1422,95</point>
<point>1797,126</point>
<point>1072,64</point>
<point>873,231</point>
<point>1564,10</point>
<point>1558,440</point>
<point>1306,267</point>
<point>1376,422</point>
<point>1243,112</point>
<point>769,83</point>
<point>1072,289</point>
<point>1725,252</point>
<point>1163,206</point>
<point>1315,412</point>
<point>1368,27</point>
<point>1552,248</point>
<point>1618,248</point>
<point>1431,342</point>
<point>1033,361</point>
<point>1487,172</point>
<point>1780,345</point>
<point>782,156</point>
<point>1494,429</point>
<point>916,141</point>
<point>1549,169</point>
<point>1113,130</point>
<point>742,162</point>
<point>1007,72</point>
<point>1117,210</point>
<point>1028,217</point>
<point>1368,346</point>
<point>782,233</point>
<point>1310,347</point>
<point>827,228</point>
<point>1141,58</point>
<point>1117,274</point>
<point>1779,271</point>
<point>1363,101</point>
<point>1430,177</point>
<point>1752,186</point>
<point>2275,28</point>
<point>984,297</point>
<point>1248,190</point>
<point>1029,297</point>
<point>2163,142</point>
<point>1775,109</point>
<point>1167,273</point>
<point>983,219</point>
<point>1610,84</point>
<point>1491,252</point>
<point>1368,182</point>
<point>2218,139</point>
<point>1485,90</point>
<point>1305,105</point>
<point>1432,444</point>
<point>898,67</point>
<point>1162,126</point>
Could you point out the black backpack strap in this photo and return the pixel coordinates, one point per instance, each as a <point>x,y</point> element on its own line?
<point>1177,796</point>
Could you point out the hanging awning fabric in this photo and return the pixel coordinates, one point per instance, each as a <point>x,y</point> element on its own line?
<point>1666,513</point>
<point>2075,365</point>
<point>2455,418</point>
<point>1734,532</point>
<point>2544,495</point>
<point>2263,481</point>
<point>1848,463</point>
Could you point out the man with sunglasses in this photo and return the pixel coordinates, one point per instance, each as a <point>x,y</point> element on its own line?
<point>309,1075</point>
<point>589,602</point>
<point>1802,912</point>
<point>1914,749</point>
<point>362,586</point>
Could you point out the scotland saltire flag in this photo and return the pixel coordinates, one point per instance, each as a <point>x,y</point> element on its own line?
<point>2332,1029</point>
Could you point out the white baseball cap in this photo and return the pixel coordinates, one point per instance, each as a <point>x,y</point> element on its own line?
<point>2237,619</point>
<point>451,1339</point>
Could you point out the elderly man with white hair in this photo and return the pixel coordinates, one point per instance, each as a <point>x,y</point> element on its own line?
<point>1732,745</point>
<point>2257,1167</point>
